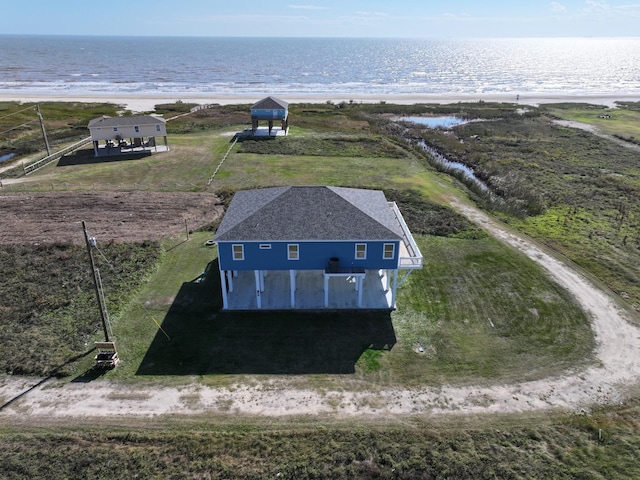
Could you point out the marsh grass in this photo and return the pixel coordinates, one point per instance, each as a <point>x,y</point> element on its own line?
<point>537,446</point>
<point>49,309</point>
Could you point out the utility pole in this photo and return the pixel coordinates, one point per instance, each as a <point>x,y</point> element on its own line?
<point>96,284</point>
<point>44,133</point>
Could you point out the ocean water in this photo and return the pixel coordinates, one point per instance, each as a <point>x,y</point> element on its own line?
<point>77,65</point>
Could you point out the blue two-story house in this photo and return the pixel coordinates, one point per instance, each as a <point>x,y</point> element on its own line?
<point>270,109</point>
<point>313,247</point>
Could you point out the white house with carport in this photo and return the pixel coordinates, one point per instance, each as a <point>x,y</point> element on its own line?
<point>131,134</point>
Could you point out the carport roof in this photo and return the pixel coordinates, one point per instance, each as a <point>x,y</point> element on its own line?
<point>106,121</point>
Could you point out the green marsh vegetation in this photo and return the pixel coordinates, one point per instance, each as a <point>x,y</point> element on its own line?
<point>517,326</point>
<point>49,313</point>
<point>572,190</point>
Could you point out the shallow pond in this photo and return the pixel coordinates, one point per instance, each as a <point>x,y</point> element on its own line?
<point>7,156</point>
<point>435,122</point>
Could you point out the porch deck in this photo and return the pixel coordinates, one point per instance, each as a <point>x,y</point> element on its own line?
<point>309,294</point>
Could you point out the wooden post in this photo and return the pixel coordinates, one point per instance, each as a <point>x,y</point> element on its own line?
<point>186,227</point>
<point>44,133</point>
<point>101,306</point>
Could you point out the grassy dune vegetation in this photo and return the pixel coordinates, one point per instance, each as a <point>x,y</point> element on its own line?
<point>517,326</point>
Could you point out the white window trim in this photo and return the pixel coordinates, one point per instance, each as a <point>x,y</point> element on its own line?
<point>364,257</point>
<point>393,251</point>
<point>265,246</point>
<point>233,251</point>
<point>289,257</point>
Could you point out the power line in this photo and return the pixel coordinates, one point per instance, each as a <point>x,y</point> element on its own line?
<point>19,111</point>
<point>19,126</point>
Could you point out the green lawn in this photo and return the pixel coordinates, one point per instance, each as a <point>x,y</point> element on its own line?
<point>518,326</point>
<point>186,167</point>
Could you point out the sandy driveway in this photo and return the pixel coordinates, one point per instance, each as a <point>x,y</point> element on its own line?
<point>618,351</point>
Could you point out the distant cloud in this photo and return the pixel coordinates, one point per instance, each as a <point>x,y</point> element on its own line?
<point>373,14</point>
<point>558,7</point>
<point>595,6</point>
<point>601,8</point>
<point>306,7</point>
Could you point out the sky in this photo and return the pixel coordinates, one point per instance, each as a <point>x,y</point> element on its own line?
<point>324,18</point>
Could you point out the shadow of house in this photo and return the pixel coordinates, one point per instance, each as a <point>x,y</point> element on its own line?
<point>86,157</point>
<point>197,338</point>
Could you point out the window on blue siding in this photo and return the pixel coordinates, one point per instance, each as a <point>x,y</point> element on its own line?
<point>389,251</point>
<point>238,252</point>
<point>292,251</point>
<point>265,246</point>
<point>361,251</point>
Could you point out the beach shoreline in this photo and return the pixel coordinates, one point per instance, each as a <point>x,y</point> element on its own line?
<point>147,102</point>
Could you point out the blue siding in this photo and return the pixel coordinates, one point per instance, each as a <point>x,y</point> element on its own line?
<point>270,113</point>
<point>312,256</point>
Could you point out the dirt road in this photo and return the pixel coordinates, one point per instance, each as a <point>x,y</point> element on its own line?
<point>618,371</point>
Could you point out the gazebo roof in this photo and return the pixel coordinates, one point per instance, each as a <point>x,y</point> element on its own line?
<point>270,103</point>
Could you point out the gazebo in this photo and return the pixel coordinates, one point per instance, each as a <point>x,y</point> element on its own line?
<point>270,109</point>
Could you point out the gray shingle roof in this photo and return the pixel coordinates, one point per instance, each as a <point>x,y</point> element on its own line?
<point>308,213</point>
<point>270,103</point>
<point>105,121</point>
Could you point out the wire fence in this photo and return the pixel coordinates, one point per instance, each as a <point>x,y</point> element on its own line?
<point>235,140</point>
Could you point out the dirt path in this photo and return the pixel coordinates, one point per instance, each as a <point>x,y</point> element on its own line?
<point>618,353</point>
<point>596,131</point>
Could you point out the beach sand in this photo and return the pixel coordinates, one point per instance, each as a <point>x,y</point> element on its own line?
<point>144,103</point>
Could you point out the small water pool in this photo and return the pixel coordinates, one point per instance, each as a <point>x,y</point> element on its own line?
<point>7,156</point>
<point>436,122</point>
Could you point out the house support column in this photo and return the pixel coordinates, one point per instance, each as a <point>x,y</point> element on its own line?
<point>95,148</point>
<point>360,287</point>
<point>292,283</point>
<point>395,287</point>
<point>388,280</point>
<point>258,291</point>
<point>230,280</point>
<point>223,286</point>
<point>326,291</point>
